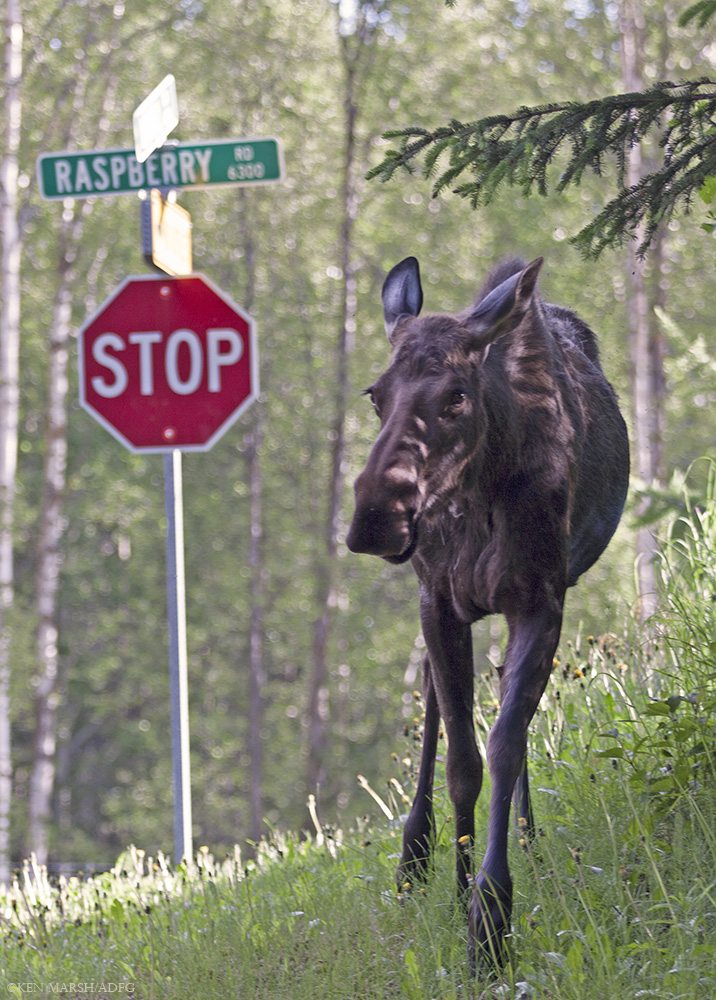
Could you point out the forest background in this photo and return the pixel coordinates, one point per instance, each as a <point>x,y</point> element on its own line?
<point>302,659</point>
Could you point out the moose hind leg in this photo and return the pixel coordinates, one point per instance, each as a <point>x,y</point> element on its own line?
<point>522,800</point>
<point>419,831</point>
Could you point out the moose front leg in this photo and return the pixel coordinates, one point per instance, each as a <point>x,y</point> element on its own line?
<point>521,798</point>
<point>449,643</point>
<point>533,641</point>
<point>419,829</point>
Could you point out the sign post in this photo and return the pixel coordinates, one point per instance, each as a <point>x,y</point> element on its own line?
<point>167,364</point>
<point>178,660</point>
<point>166,242</point>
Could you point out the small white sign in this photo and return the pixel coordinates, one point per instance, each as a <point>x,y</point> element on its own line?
<point>155,118</point>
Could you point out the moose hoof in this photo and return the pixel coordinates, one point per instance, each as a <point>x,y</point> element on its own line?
<point>488,922</point>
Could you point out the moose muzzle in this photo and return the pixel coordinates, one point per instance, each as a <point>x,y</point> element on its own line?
<point>382,525</point>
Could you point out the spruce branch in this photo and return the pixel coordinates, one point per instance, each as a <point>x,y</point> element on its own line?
<point>525,148</point>
<point>701,12</point>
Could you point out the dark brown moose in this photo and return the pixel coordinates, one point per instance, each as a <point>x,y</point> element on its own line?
<point>500,470</point>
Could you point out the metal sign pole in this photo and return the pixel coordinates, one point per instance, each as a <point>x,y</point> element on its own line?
<point>176,608</point>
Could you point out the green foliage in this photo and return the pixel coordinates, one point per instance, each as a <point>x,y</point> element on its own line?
<point>688,628</point>
<point>617,895</point>
<point>519,150</point>
<point>701,12</point>
<point>707,194</point>
<point>616,891</point>
<point>276,248</point>
<point>662,739</point>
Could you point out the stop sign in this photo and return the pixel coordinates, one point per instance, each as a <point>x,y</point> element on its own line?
<point>168,363</point>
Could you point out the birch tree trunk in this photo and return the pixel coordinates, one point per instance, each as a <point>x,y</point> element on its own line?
<point>51,527</point>
<point>645,352</point>
<point>49,562</point>
<point>9,395</point>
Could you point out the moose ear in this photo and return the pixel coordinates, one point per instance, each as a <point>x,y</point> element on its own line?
<point>402,293</point>
<point>504,308</point>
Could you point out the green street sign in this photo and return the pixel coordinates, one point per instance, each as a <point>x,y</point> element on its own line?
<point>102,172</point>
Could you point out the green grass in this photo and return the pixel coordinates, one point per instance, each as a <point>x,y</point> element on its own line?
<point>616,898</point>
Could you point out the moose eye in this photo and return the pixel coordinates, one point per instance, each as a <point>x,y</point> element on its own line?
<point>454,402</point>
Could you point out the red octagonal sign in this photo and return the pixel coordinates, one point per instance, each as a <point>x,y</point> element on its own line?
<point>168,363</point>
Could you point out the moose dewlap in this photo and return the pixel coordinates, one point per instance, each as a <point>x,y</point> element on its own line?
<point>500,469</point>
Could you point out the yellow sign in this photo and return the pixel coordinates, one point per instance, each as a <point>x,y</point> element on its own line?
<point>171,235</point>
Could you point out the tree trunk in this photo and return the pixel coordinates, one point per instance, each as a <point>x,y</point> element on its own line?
<point>52,522</point>
<point>645,353</point>
<point>9,395</point>
<point>318,695</point>
<point>257,670</point>
<point>49,562</point>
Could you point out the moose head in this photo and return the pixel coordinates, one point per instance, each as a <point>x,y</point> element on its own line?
<point>431,406</point>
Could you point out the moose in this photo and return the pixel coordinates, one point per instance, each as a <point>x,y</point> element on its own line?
<point>500,470</point>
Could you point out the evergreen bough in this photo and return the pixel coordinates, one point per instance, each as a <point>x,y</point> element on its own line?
<point>519,149</point>
<point>700,12</point>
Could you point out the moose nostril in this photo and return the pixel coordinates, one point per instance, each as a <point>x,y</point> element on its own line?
<point>366,528</point>
<point>377,531</point>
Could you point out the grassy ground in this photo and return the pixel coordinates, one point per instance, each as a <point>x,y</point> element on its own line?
<point>616,899</point>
